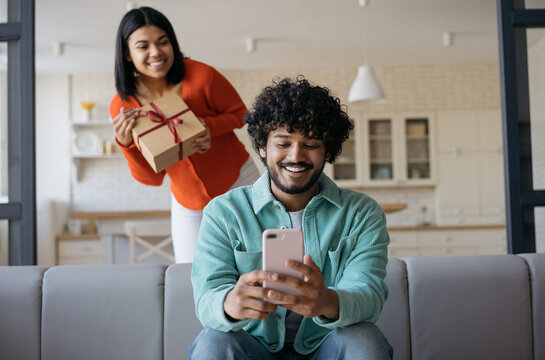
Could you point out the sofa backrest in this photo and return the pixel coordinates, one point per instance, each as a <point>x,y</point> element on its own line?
<point>181,323</point>
<point>20,311</point>
<point>536,265</point>
<point>460,307</point>
<point>394,318</point>
<point>103,312</point>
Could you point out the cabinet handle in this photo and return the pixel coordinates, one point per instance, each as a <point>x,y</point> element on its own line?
<point>446,238</point>
<point>455,152</point>
<point>86,248</point>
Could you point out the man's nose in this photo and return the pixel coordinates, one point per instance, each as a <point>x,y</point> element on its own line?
<point>296,153</point>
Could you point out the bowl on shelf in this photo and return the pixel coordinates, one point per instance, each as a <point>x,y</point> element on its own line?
<point>87,106</point>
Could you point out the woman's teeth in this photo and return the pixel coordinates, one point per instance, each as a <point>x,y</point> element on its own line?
<point>157,63</point>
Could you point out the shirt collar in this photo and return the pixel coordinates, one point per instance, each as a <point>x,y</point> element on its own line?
<point>262,195</point>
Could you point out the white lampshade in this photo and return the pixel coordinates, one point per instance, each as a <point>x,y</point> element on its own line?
<point>366,86</point>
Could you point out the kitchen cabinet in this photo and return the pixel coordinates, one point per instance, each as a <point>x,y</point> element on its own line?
<point>92,140</point>
<point>79,249</point>
<point>470,167</point>
<point>387,150</point>
<point>447,240</point>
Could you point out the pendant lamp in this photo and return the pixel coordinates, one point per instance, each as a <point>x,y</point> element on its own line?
<point>366,86</point>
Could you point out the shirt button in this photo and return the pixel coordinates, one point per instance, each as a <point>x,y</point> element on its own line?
<point>273,346</point>
<point>276,206</point>
<point>278,316</point>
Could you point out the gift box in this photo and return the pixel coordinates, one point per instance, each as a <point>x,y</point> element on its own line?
<point>165,131</point>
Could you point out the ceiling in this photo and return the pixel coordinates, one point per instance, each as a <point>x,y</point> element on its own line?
<point>289,33</point>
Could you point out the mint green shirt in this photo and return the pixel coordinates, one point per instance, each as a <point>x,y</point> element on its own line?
<point>344,232</point>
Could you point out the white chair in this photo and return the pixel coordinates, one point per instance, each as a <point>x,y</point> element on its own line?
<point>146,233</point>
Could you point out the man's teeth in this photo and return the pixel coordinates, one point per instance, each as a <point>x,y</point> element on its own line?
<point>295,169</point>
<point>156,63</point>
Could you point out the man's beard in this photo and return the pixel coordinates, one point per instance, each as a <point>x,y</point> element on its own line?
<point>273,175</point>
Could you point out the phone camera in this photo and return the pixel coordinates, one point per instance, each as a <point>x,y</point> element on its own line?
<point>271,236</point>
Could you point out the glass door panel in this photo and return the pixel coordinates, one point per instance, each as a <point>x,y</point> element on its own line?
<point>418,149</point>
<point>381,160</point>
<point>345,165</point>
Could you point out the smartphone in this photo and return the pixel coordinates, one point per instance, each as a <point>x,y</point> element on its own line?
<point>280,245</point>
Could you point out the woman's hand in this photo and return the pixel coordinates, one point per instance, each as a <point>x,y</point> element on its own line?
<point>203,144</point>
<point>123,124</point>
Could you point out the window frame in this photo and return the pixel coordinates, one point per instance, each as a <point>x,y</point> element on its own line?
<point>20,210</point>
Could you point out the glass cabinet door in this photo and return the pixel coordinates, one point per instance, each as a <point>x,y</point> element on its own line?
<point>345,166</point>
<point>381,161</point>
<point>417,148</point>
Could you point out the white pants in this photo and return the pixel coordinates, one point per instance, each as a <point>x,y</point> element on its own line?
<point>186,223</point>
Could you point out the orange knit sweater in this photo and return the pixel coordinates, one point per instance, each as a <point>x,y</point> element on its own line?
<point>198,178</point>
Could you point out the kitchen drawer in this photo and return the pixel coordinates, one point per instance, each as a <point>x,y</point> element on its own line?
<point>459,211</point>
<point>460,238</point>
<point>402,252</point>
<point>499,249</point>
<point>446,251</point>
<point>79,260</point>
<point>403,239</point>
<point>79,248</point>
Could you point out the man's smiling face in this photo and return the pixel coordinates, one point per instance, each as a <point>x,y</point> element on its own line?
<point>294,161</point>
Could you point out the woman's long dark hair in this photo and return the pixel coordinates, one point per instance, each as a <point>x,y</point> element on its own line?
<point>125,72</point>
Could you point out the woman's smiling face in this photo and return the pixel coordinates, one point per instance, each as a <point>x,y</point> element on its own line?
<point>150,51</point>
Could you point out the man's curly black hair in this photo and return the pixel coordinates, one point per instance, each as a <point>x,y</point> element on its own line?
<point>297,104</point>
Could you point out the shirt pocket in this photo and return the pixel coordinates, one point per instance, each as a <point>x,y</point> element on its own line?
<point>247,261</point>
<point>337,257</point>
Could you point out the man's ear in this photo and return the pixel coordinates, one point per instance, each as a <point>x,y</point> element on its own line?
<point>262,153</point>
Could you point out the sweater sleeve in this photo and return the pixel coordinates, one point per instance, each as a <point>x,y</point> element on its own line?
<point>361,289</point>
<point>140,169</point>
<point>225,101</point>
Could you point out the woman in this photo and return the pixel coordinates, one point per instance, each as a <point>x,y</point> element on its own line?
<point>148,64</point>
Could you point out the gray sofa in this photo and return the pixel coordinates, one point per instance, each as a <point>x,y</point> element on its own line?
<point>463,307</point>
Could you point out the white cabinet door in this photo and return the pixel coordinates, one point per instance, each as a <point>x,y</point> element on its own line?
<point>458,180</point>
<point>489,130</point>
<point>398,150</point>
<point>347,168</point>
<point>456,131</point>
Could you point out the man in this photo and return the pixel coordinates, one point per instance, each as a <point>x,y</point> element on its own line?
<point>295,127</point>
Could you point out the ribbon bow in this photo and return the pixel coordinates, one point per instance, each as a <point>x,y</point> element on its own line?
<point>157,116</point>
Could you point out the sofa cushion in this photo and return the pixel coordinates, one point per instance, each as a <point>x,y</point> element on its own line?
<point>470,307</point>
<point>20,311</point>
<point>103,312</point>
<point>536,264</point>
<point>181,323</point>
<point>394,319</point>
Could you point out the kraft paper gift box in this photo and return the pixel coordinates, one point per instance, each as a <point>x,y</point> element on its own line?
<point>165,131</point>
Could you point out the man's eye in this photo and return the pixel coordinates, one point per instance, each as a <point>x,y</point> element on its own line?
<point>282,145</point>
<point>311,146</point>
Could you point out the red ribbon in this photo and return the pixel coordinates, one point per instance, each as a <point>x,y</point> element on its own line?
<point>156,115</point>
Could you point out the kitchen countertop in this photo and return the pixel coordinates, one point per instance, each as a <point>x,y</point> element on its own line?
<point>446,227</point>
<point>95,215</point>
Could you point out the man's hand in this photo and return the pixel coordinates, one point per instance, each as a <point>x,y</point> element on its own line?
<point>316,299</point>
<point>243,301</point>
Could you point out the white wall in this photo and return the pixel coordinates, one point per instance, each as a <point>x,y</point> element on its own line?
<point>52,162</point>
